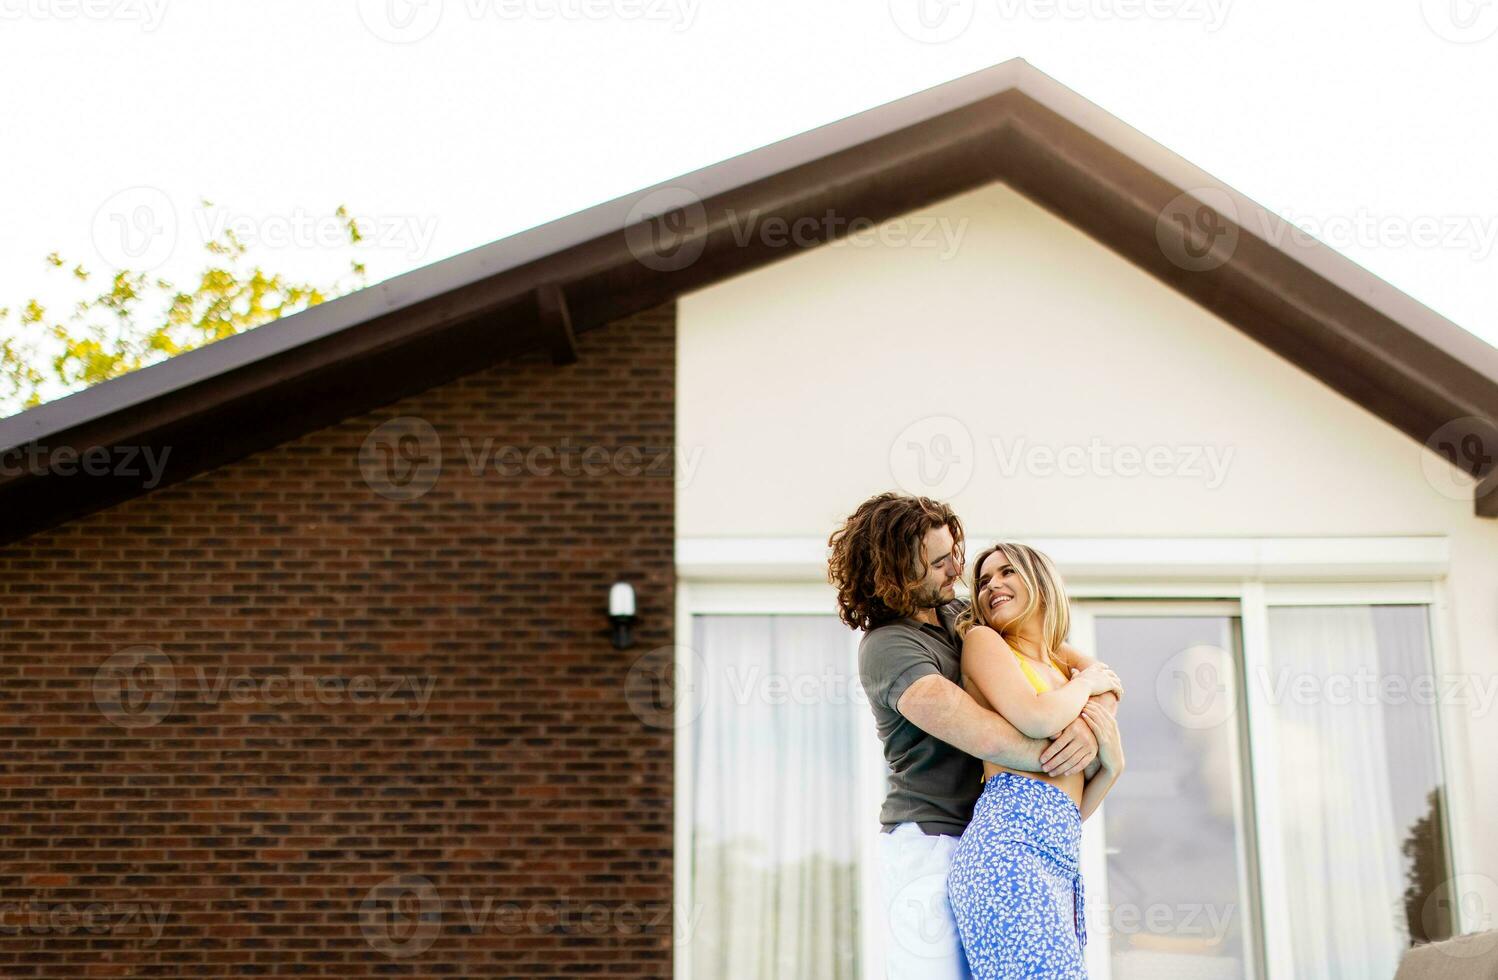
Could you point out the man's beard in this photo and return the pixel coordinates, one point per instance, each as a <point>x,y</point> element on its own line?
<point>930,597</point>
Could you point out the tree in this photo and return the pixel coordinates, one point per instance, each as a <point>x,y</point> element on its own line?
<point>135,321</point>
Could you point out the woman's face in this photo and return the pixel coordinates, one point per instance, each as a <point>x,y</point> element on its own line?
<point>1001,592</point>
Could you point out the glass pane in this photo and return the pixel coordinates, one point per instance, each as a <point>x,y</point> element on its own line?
<point>774,855</point>
<point>1177,890</point>
<point>1359,777</point>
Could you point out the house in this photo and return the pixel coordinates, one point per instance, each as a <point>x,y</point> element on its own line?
<point>333,686</point>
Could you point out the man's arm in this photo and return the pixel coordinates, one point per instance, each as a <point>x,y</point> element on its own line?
<point>938,707</point>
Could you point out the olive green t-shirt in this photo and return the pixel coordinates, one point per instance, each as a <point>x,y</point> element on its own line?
<point>932,783</point>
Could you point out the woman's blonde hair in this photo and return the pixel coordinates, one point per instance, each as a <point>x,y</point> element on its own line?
<point>1042,581</point>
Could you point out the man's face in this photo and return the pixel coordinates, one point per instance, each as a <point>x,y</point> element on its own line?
<point>944,563</point>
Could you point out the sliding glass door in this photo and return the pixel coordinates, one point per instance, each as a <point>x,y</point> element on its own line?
<point>1170,859</point>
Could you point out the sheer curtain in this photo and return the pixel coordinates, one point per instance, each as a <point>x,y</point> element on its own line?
<point>1341,834</point>
<point>773,850</point>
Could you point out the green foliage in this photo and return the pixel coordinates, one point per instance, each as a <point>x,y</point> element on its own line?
<point>129,321</point>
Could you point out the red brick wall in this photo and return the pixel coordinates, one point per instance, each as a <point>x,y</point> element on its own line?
<point>302,728</point>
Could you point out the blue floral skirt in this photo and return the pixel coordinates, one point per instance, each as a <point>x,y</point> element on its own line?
<point>1016,882</point>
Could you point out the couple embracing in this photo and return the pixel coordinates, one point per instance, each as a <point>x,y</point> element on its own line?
<point>1000,737</point>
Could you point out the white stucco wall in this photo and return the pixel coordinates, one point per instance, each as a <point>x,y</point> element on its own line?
<point>797,380</point>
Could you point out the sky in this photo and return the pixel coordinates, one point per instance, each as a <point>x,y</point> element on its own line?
<point>446,124</point>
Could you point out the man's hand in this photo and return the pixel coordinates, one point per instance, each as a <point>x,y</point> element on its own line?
<point>1075,749</point>
<point>1071,751</point>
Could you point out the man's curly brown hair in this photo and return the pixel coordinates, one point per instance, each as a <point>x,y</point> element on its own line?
<point>876,562</point>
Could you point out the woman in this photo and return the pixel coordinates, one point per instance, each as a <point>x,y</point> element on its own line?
<point>1015,884</point>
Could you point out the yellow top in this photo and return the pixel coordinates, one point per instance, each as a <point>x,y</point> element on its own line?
<point>1035,681</point>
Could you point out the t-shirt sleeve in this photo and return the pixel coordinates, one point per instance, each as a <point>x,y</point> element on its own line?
<point>891,663</point>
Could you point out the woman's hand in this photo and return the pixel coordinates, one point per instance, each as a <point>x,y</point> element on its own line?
<point>1109,742</point>
<point>1100,679</point>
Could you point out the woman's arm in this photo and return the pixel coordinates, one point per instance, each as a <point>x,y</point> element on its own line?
<point>1072,657</point>
<point>1097,787</point>
<point>1110,752</point>
<point>990,664</point>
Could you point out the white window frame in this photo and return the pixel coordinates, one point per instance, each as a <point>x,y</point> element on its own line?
<point>779,576</point>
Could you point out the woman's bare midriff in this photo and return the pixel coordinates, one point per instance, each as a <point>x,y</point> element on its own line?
<point>1071,785</point>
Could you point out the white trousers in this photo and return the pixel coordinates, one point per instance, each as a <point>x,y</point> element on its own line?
<point>921,941</point>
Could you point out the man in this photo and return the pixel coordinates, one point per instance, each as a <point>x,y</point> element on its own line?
<point>895,562</point>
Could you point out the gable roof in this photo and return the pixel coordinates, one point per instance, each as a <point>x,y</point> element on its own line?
<point>537,289</point>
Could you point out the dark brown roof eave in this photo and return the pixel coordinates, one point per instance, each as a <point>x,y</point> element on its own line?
<point>1010,123</point>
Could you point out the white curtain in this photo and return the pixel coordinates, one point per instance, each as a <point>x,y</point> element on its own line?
<point>1341,836</point>
<point>773,850</point>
